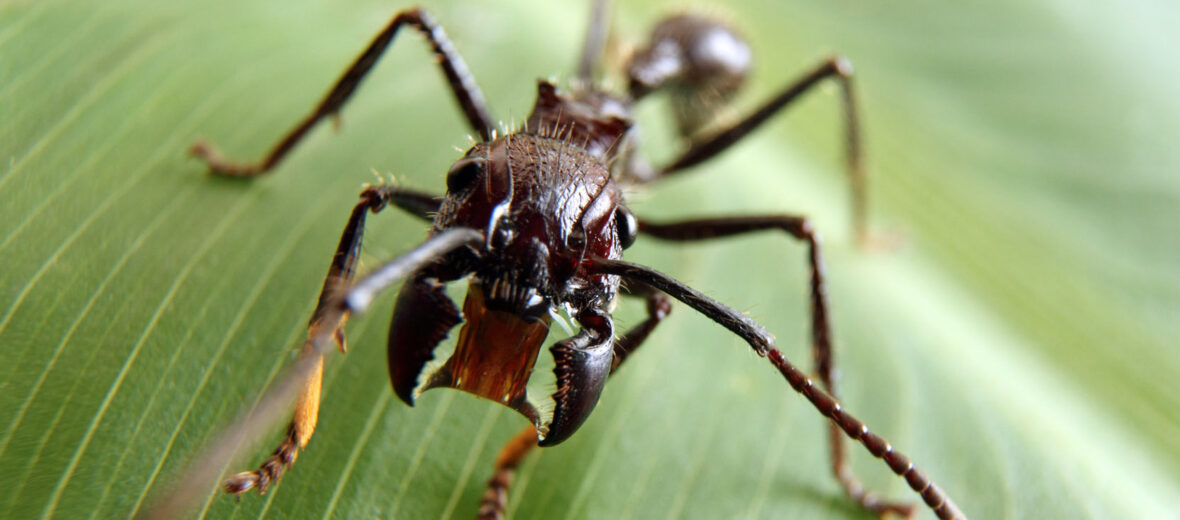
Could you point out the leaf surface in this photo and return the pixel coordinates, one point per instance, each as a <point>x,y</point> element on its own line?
<point>1019,345</point>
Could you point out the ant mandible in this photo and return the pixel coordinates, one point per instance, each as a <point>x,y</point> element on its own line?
<point>535,219</point>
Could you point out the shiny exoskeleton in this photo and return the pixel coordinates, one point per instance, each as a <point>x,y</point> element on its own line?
<point>546,206</point>
<point>698,61</point>
<point>535,221</point>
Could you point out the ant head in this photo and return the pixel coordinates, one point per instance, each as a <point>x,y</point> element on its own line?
<point>545,204</point>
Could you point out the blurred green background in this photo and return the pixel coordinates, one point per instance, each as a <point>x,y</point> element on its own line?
<point>1020,345</point>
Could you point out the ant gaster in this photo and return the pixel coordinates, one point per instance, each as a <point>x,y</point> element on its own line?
<point>536,221</point>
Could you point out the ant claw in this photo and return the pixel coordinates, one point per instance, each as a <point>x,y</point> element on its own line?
<point>241,483</point>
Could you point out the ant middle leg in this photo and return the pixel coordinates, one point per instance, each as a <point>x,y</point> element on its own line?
<point>495,498</point>
<point>459,78</point>
<point>821,332</point>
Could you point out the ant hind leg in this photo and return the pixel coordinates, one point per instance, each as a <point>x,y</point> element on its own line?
<point>839,69</point>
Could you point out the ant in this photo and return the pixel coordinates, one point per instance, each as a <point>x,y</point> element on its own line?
<point>536,221</point>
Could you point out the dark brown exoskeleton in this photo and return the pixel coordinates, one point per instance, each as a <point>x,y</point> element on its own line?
<point>535,221</point>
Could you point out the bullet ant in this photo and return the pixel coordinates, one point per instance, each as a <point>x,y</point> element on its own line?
<point>535,221</point>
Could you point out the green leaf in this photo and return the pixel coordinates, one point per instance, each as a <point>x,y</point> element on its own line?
<point>1020,345</point>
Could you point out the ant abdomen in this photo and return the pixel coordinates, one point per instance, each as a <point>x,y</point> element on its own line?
<point>699,61</point>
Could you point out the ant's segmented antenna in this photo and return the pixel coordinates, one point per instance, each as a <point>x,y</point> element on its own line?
<point>764,345</point>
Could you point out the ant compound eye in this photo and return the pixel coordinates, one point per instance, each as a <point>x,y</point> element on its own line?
<point>462,174</point>
<point>627,225</point>
<point>502,234</point>
<point>576,240</point>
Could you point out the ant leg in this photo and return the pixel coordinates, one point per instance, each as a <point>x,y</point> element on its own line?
<point>301,382</point>
<point>303,423</point>
<point>326,322</point>
<point>658,307</point>
<point>466,92</point>
<point>358,298</point>
<point>763,344</point>
<point>417,203</point>
<point>837,68</point>
<point>596,34</point>
<point>821,329</point>
<point>495,499</point>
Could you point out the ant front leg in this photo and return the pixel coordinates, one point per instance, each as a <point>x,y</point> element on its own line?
<point>326,321</point>
<point>466,92</point>
<point>763,344</point>
<point>495,499</point>
<point>301,382</point>
<point>658,307</point>
<point>323,323</point>
<point>821,330</point>
<point>837,68</point>
<point>419,204</point>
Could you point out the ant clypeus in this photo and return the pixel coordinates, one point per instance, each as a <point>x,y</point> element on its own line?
<point>535,220</point>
